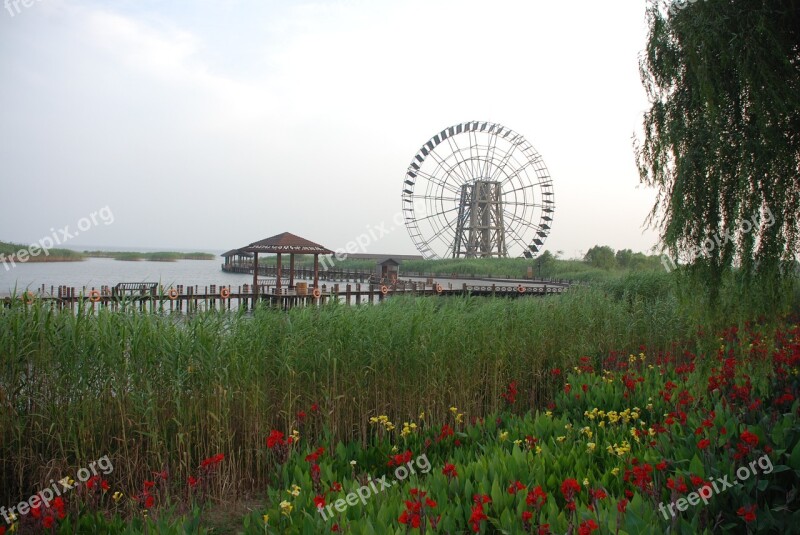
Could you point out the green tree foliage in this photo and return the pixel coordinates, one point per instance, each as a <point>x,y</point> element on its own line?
<point>601,256</point>
<point>721,139</point>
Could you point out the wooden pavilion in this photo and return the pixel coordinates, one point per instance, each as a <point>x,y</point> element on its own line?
<point>237,257</point>
<point>282,244</point>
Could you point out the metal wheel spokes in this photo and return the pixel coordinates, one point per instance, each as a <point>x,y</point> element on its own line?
<point>478,189</point>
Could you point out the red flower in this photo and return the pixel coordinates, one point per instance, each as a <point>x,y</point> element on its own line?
<point>749,438</point>
<point>477,516</point>
<point>622,505</point>
<point>515,487</point>
<point>149,501</point>
<point>555,372</point>
<point>588,527</point>
<point>747,512</point>
<point>526,516</point>
<point>569,487</point>
<point>450,471</point>
<point>148,484</point>
<point>313,457</point>
<point>703,444</point>
<point>2,530</point>
<point>598,494</point>
<point>544,529</point>
<point>319,501</point>
<point>536,497</point>
<point>336,487</point>
<point>48,522</point>
<point>211,462</point>
<point>36,512</point>
<point>275,438</point>
<point>314,407</point>
<point>447,431</point>
<point>567,388</point>
<point>510,395</point>
<point>661,466</point>
<point>301,416</point>
<point>192,482</point>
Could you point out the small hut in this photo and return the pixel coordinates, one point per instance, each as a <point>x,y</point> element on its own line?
<point>388,270</point>
<point>280,245</point>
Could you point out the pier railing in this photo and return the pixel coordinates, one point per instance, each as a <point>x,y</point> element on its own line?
<point>152,297</point>
<point>363,275</point>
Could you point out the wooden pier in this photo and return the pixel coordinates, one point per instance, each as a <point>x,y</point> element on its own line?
<point>152,297</point>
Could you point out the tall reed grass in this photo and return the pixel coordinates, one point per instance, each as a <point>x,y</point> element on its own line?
<point>157,392</point>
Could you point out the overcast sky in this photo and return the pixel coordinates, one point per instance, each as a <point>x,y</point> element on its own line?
<point>211,124</point>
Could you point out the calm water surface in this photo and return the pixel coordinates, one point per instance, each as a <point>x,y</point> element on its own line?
<point>95,272</point>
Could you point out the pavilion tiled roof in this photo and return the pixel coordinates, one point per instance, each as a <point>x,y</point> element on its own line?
<point>235,252</point>
<point>286,243</point>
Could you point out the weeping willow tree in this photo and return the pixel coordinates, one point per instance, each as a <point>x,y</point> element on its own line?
<point>721,140</point>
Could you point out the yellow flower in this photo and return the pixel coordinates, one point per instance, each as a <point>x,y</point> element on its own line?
<point>517,442</point>
<point>67,482</point>
<point>632,358</point>
<point>602,424</point>
<point>562,438</point>
<point>459,418</point>
<point>549,414</point>
<point>453,410</point>
<point>615,471</point>
<point>590,446</point>
<point>503,436</point>
<point>585,481</point>
<point>394,449</point>
<point>266,519</point>
<point>294,491</point>
<point>286,507</point>
<point>408,428</point>
<point>538,450</point>
<point>422,415</point>
<point>296,436</point>
<point>117,496</point>
<point>353,462</point>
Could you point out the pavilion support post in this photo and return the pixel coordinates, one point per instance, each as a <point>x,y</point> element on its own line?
<point>278,276</point>
<point>316,270</point>
<point>291,271</point>
<point>255,278</point>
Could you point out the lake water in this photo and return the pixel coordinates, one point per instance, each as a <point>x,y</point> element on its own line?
<point>95,272</point>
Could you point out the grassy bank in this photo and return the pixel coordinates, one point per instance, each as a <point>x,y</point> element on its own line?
<point>10,251</point>
<point>162,256</point>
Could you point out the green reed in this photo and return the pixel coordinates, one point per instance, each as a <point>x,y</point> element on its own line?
<point>157,392</point>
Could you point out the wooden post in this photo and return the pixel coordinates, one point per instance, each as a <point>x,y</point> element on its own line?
<point>255,277</point>
<point>278,276</point>
<point>316,270</point>
<point>291,271</point>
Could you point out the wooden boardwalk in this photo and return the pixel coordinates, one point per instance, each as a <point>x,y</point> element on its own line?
<point>151,297</point>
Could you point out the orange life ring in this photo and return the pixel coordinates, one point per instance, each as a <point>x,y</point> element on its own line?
<point>384,290</point>
<point>172,294</point>
<point>94,296</point>
<point>439,288</point>
<point>316,293</point>
<point>224,293</point>
<point>521,289</point>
